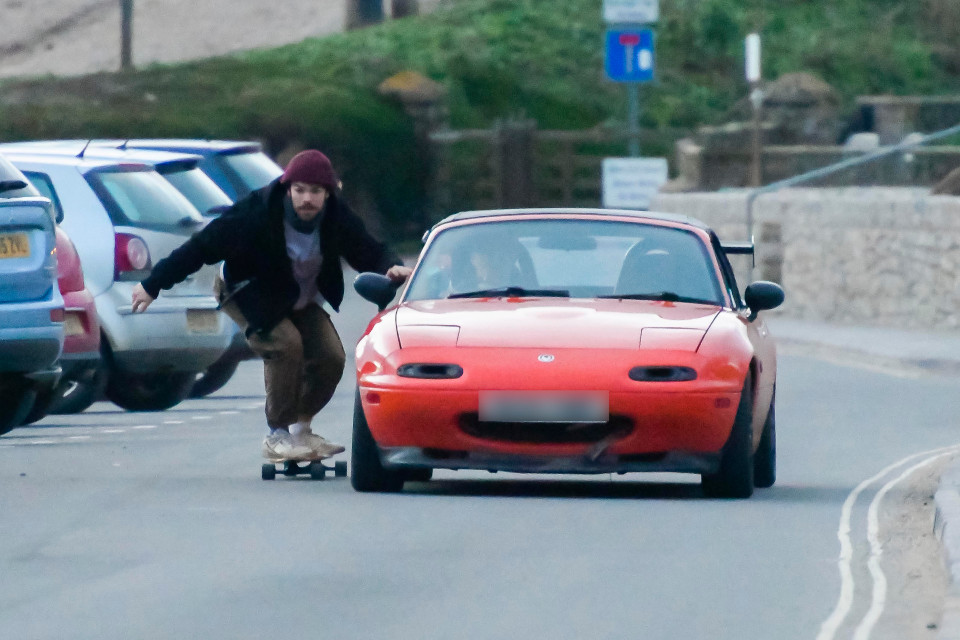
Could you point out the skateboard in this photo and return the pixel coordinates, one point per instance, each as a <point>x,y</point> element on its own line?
<point>315,468</point>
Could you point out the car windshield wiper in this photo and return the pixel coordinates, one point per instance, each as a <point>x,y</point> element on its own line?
<point>513,292</point>
<point>12,185</point>
<point>217,210</point>
<point>662,296</point>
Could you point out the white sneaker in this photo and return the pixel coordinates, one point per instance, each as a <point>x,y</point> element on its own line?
<point>319,445</point>
<point>280,446</point>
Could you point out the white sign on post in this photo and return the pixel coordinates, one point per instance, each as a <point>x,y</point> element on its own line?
<point>631,183</point>
<point>631,11</point>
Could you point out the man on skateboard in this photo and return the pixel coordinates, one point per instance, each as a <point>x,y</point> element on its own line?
<point>281,248</point>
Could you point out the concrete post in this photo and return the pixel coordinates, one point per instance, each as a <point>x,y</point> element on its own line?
<point>126,35</point>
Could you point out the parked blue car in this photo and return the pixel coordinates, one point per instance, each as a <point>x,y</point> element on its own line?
<point>31,307</point>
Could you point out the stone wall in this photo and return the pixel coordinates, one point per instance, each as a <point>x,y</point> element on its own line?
<point>867,256</point>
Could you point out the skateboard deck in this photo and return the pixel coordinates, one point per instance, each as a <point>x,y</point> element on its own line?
<point>315,468</point>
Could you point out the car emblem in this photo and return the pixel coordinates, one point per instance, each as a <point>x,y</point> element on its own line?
<point>545,357</point>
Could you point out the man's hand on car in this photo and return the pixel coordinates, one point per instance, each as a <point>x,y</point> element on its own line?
<point>140,299</point>
<point>399,273</point>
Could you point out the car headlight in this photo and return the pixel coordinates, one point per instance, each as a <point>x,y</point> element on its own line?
<point>429,370</point>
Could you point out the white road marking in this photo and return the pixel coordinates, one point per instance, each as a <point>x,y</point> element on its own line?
<point>145,426</point>
<point>173,422</point>
<point>78,437</point>
<point>200,417</point>
<point>879,597</point>
<point>228,413</point>
<point>829,627</point>
<point>113,430</point>
<point>41,442</point>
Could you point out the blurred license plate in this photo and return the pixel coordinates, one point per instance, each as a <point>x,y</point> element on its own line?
<point>14,245</point>
<point>72,324</point>
<point>203,320</point>
<point>544,406</point>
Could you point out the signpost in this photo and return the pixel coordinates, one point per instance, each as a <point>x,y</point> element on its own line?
<point>631,11</point>
<point>629,55</point>
<point>630,183</point>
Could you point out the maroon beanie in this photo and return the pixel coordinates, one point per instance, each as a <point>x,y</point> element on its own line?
<point>312,167</point>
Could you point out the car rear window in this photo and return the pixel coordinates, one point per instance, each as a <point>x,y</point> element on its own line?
<point>9,175</point>
<point>44,186</point>
<point>202,192</point>
<point>143,198</point>
<point>248,171</point>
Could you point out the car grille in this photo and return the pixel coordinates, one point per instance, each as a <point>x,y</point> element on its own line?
<point>545,432</point>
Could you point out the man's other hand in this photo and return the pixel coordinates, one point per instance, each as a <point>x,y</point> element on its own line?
<point>399,273</point>
<point>141,299</point>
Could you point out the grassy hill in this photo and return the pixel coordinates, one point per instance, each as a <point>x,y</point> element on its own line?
<point>497,58</point>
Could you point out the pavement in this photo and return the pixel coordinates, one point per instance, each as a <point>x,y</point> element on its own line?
<point>905,352</point>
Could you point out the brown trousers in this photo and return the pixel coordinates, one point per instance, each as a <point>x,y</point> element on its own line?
<point>303,361</point>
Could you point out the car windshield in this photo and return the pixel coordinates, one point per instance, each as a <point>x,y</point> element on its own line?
<point>13,184</point>
<point>248,171</point>
<point>563,257</point>
<point>197,187</point>
<point>142,198</point>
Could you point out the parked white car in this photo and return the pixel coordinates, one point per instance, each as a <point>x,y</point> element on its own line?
<point>123,216</point>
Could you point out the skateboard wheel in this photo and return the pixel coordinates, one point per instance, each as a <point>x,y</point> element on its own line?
<point>268,472</point>
<point>317,470</point>
<point>340,469</point>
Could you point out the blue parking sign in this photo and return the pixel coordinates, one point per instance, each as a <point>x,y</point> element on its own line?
<point>629,55</point>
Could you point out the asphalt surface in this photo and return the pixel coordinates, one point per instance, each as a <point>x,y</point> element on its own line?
<point>912,353</point>
<point>156,525</point>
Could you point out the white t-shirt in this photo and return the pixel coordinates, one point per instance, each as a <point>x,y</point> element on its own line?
<point>305,256</point>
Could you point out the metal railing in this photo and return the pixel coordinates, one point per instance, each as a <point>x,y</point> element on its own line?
<point>840,166</point>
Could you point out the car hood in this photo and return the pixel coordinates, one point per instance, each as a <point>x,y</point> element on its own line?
<point>553,322</point>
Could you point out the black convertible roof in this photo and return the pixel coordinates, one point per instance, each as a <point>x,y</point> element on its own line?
<point>641,215</point>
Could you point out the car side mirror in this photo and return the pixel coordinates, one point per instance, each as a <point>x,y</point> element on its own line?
<point>376,288</point>
<point>762,295</point>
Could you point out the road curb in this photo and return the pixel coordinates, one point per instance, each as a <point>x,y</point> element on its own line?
<point>946,526</point>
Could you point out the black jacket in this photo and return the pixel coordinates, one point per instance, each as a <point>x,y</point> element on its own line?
<point>249,238</point>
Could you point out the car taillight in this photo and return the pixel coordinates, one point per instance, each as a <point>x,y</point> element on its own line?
<point>131,258</point>
<point>57,315</point>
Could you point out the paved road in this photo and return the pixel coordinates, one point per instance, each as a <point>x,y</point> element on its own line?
<point>157,525</point>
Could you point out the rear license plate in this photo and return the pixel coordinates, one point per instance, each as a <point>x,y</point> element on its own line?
<point>203,320</point>
<point>544,406</point>
<point>14,245</point>
<point>72,324</point>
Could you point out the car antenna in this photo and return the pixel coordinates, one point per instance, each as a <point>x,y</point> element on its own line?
<point>123,147</point>
<point>84,150</point>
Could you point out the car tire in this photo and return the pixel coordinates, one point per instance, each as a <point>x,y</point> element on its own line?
<point>41,405</point>
<point>18,395</point>
<point>418,475</point>
<point>76,393</point>
<point>148,391</point>
<point>735,477</point>
<point>765,458</point>
<point>368,473</point>
<point>215,377</point>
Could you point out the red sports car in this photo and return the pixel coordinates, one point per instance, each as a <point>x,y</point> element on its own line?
<point>568,341</point>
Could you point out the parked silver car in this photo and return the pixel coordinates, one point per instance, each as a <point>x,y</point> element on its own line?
<point>31,307</point>
<point>122,216</point>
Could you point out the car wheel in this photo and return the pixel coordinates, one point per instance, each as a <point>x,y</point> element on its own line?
<point>765,459</point>
<point>18,395</point>
<point>76,393</point>
<point>418,475</point>
<point>41,405</point>
<point>735,477</point>
<point>368,473</point>
<point>148,391</point>
<point>215,376</point>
